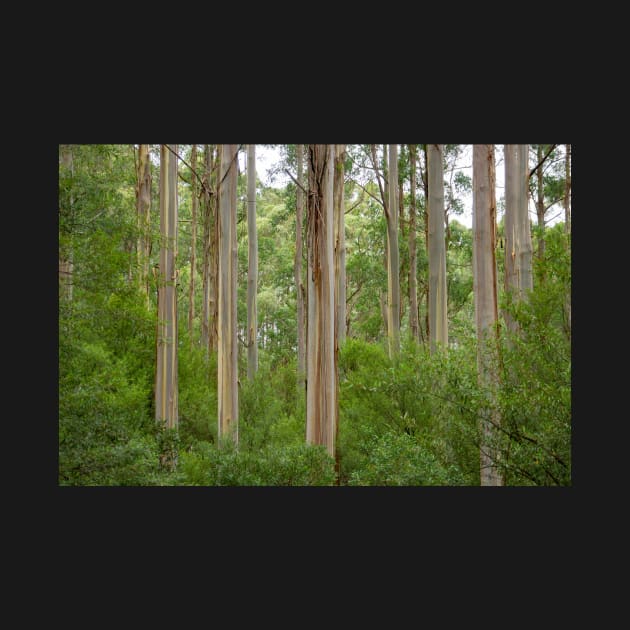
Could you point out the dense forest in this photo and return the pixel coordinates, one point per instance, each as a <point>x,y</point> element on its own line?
<point>343,328</point>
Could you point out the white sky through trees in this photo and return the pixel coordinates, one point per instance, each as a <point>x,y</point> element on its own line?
<point>267,158</point>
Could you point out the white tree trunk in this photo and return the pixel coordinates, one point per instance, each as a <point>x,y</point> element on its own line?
<point>252,269</point>
<point>340,246</point>
<point>166,394</point>
<point>193,246</point>
<point>485,296</point>
<point>227,324</point>
<point>143,206</point>
<point>393,256</point>
<point>321,394</point>
<point>438,315</point>
<point>518,240</point>
<point>299,286</point>
<point>413,265</point>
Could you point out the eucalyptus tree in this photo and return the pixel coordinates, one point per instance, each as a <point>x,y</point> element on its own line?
<point>166,389</point>
<point>227,297</point>
<point>438,318</point>
<point>321,368</point>
<point>567,190</point>
<point>518,240</point>
<point>252,266</point>
<point>143,208</point>
<point>393,255</point>
<point>486,309</point>
<point>299,285</point>
<point>340,246</point>
<point>413,268</point>
<point>193,246</point>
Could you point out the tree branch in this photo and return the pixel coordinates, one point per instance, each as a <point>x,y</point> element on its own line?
<point>296,182</point>
<point>553,146</point>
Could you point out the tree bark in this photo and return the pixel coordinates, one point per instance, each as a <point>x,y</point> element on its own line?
<point>227,324</point>
<point>193,250</point>
<point>518,242</point>
<point>393,257</point>
<point>486,309</point>
<point>438,321</point>
<point>321,398</point>
<point>413,265</point>
<point>252,270</point>
<point>166,391</point>
<point>299,285</point>
<point>540,204</point>
<point>340,247</point>
<point>567,191</point>
<point>143,207</point>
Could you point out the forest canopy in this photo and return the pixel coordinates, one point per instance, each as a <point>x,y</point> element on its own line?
<point>344,327</point>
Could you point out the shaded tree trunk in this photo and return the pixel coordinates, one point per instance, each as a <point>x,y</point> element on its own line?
<point>299,285</point>
<point>252,269</point>
<point>143,208</point>
<point>193,251</point>
<point>321,398</point>
<point>413,265</point>
<point>486,309</point>
<point>393,257</point>
<point>540,203</point>
<point>518,242</point>
<point>166,390</point>
<point>227,324</point>
<point>340,247</point>
<point>438,321</point>
<point>567,190</point>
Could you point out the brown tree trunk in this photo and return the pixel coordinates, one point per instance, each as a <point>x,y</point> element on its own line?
<point>193,246</point>
<point>143,207</point>
<point>299,285</point>
<point>252,265</point>
<point>393,257</point>
<point>227,324</point>
<point>340,247</point>
<point>567,191</point>
<point>413,265</point>
<point>166,391</point>
<point>321,392</point>
<point>486,310</point>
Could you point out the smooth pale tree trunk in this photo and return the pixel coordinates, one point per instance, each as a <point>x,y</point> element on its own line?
<point>321,369</point>
<point>143,208</point>
<point>540,203</point>
<point>438,322</point>
<point>207,228</point>
<point>340,247</point>
<point>425,185</point>
<point>193,251</point>
<point>213,289</point>
<point>299,285</point>
<point>486,309</point>
<point>227,325</point>
<point>413,264</point>
<point>66,266</point>
<point>166,390</point>
<point>252,265</point>
<point>518,241</point>
<point>402,231</point>
<point>393,257</point>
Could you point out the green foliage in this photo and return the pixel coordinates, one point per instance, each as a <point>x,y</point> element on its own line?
<point>295,465</point>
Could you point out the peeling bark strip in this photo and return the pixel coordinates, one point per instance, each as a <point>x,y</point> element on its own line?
<point>252,266</point>
<point>438,322</point>
<point>166,412</point>
<point>227,325</point>
<point>485,296</point>
<point>518,239</point>
<point>393,256</point>
<point>321,398</point>
<point>299,286</point>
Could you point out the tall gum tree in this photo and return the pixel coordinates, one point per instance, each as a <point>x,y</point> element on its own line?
<point>413,265</point>
<point>299,285</point>
<point>321,369</point>
<point>166,389</point>
<point>143,209</point>
<point>193,246</point>
<point>393,255</point>
<point>438,318</point>
<point>518,240</point>
<point>227,324</point>
<point>486,309</point>
<point>252,265</point>
<point>340,247</point>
